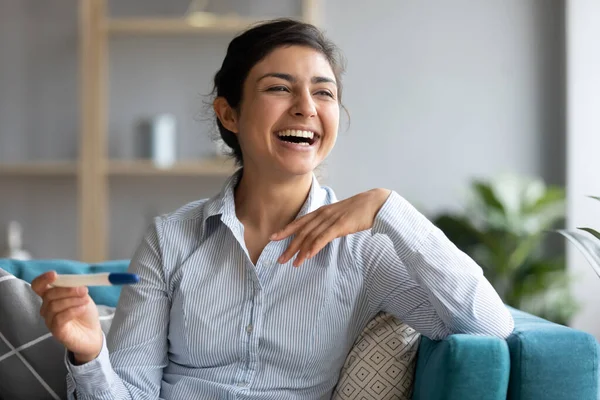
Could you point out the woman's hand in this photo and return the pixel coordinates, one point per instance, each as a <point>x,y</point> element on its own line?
<point>314,230</point>
<point>71,316</point>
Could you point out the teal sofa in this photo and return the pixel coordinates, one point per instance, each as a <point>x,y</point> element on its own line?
<point>539,361</point>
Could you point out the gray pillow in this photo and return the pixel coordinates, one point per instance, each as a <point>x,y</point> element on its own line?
<point>381,364</point>
<point>31,360</point>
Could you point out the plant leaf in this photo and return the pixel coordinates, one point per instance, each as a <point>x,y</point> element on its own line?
<point>523,250</point>
<point>553,195</point>
<point>539,266</point>
<point>592,231</point>
<point>589,247</point>
<point>486,193</point>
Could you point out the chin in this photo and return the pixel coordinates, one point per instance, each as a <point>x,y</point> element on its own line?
<point>298,169</point>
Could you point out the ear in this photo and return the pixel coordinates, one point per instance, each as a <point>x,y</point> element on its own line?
<point>227,115</point>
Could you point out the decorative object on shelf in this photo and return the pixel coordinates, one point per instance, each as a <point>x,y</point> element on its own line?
<point>14,242</point>
<point>503,229</point>
<point>159,140</point>
<point>587,241</point>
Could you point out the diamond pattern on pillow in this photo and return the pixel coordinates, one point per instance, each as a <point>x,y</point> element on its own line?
<point>381,364</point>
<point>31,360</point>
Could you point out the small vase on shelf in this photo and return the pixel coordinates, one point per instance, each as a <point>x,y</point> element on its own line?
<point>14,242</point>
<point>159,140</point>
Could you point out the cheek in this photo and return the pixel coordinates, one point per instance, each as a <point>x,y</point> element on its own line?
<point>251,117</point>
<point>331,140</point>
<point>261,114</point>
<point>331,119</point>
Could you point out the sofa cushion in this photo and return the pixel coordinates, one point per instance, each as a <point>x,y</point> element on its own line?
<point>31,360</point>
<point>551,361</point>
<point>462,367</point>
<point>102,295</point>
<point>381,364</point>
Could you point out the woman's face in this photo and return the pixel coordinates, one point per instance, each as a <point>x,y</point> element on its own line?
<point>289,113</point>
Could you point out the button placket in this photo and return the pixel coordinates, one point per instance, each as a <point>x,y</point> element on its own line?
<point>244,374</point>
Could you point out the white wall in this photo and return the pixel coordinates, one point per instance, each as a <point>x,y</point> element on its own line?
<point>583,143</point>
<point>440,92</point>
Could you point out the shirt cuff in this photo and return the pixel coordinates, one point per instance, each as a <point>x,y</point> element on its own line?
<point>92,377</point>
<point>404,225</point>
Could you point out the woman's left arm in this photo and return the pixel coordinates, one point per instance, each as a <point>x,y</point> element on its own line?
<point>450,285</point>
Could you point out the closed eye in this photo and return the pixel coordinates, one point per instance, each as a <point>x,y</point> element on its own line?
<point>278,89</point>
<point>325,93</point>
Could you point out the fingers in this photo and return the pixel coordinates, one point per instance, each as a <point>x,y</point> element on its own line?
<point>40,284</point>
<point>294,226</point>
<point>316,240</point>
<point>62,318</point>
<point>55,294</point>
<point>299,237</point>
<point>57,307</point>
<point>62,292</point>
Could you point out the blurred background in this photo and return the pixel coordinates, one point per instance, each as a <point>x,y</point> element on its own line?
<point>483,114</point>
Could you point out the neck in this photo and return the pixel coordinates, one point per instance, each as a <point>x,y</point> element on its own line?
<point>267,205</point>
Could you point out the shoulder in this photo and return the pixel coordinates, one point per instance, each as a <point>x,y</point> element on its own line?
<point>368,245</point>
<point>397,218</point>
<point>182,228</point>
<point>193,211</point>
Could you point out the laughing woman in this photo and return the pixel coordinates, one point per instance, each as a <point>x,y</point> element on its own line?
<point>260,291</point>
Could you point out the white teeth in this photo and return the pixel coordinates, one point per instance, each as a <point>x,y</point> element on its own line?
<point>297,133</point>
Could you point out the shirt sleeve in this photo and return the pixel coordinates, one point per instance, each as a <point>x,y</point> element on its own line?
<point>134,354</point>
<point>416,273</point>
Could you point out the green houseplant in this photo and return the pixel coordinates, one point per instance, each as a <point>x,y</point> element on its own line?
<point>503,228</point>
<point>586,240</point>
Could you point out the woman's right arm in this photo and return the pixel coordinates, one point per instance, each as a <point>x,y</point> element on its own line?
<point>138,336</point>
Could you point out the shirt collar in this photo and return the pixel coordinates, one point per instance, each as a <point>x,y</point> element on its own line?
<point>223,203</point>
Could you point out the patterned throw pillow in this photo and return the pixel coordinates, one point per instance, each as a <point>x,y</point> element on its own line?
<point>31,360</point>
<point>381,364</point>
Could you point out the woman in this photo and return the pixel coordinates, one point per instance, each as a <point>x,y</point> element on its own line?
<point>260,291</point>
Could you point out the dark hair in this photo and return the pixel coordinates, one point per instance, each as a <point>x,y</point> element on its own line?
<point>251,46</point>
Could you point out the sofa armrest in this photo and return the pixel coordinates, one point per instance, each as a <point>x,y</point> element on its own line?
<point>551,361</point>
<point>462,367</point>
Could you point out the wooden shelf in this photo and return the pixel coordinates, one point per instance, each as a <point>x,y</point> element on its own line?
<point>201,23</point>
<point>220,166</point>
<point>60,168</point>
<point>96,27</point>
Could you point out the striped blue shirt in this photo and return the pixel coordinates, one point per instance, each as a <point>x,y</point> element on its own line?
<point>205,323</point>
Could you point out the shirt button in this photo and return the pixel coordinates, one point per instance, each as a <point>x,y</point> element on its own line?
<point>249,328</point>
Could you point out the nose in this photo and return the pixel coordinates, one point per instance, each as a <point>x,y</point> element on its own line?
<point>304,105</point>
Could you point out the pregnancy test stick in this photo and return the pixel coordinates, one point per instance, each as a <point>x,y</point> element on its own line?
<point>103,279</point>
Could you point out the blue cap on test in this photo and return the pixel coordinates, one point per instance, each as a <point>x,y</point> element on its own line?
<point>122,278</point>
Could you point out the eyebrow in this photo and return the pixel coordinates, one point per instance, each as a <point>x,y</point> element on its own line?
<point>291,79</point>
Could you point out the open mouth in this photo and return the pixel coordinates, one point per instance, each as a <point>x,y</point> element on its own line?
<point>304,138</point>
